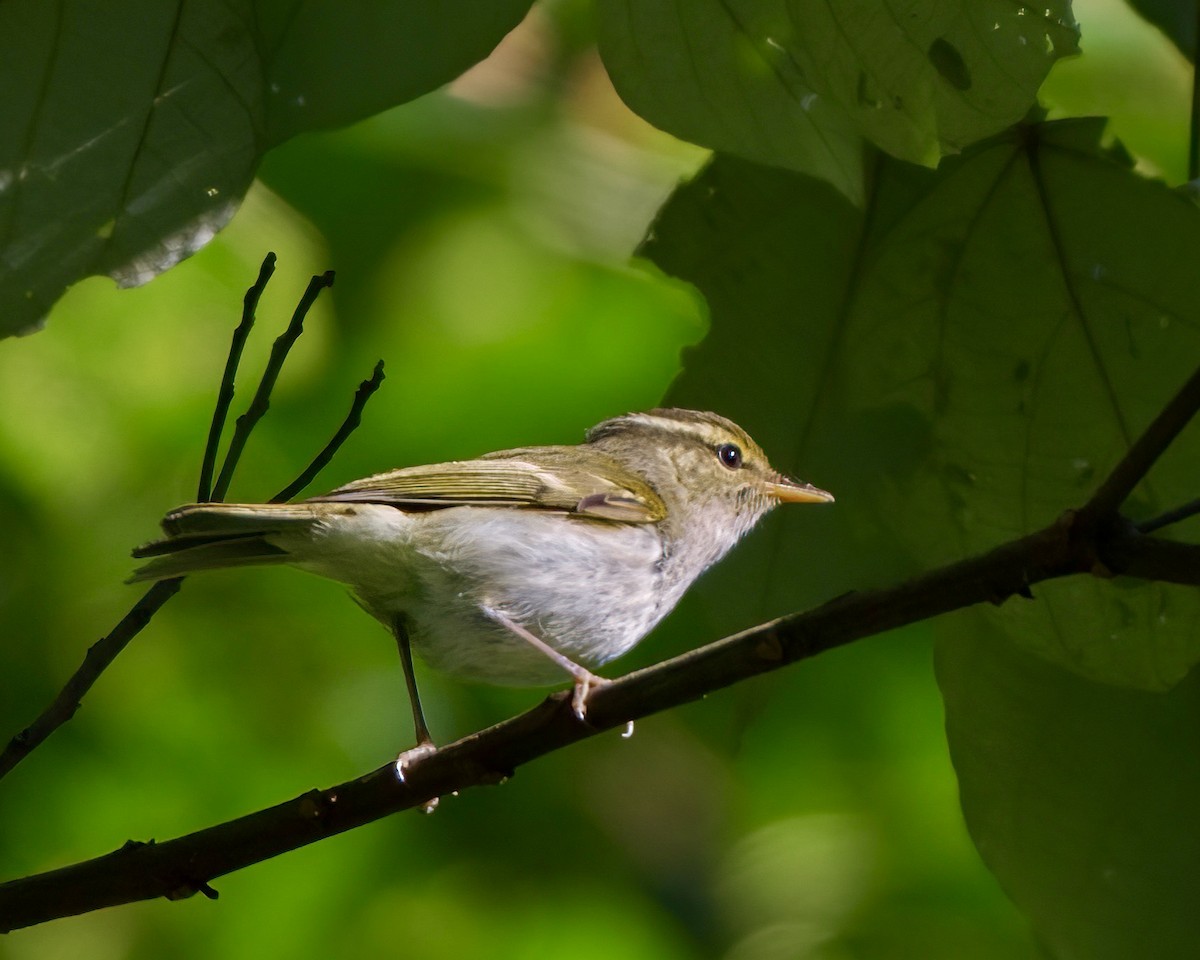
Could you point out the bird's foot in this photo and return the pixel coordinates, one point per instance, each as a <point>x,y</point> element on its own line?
<point>585,683</point>
<point>425,748</point>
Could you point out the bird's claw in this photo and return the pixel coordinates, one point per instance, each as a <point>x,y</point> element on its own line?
<point>425,748</point>
<point>584,685</point>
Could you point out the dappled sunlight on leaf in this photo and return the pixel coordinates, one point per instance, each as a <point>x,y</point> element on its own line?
<point>958,364</point>
<point>798,83</point>
<point>181,103</point>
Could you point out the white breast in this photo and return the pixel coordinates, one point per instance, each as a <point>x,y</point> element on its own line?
<point>591,590</point>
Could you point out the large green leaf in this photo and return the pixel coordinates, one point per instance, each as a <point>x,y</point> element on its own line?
<point>796,83</point>
<point>130,130</point>
<point>959,363</point>
<point>1081,797</point>
<point>694,69</point>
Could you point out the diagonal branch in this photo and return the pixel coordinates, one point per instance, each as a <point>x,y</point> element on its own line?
<point>184,866</point>
<point>1094,539</point>
<point>100,654</point>
<point>1146,450</point>
<point>1168,517</point>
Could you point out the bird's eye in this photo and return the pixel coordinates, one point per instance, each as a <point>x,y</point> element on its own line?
<point>730,455</point>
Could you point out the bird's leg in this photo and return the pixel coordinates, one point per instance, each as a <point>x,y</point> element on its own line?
<point>425,744</point>
<point>584,679</point>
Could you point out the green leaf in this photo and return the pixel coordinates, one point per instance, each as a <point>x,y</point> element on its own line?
<point>796,83</point>
<point>923,78</point>
<point>1081,797</point>
<point>959,363</point>
<point>131,130</point>
<point>695,69</point>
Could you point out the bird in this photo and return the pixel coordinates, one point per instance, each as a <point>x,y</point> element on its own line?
<point>520,567</point>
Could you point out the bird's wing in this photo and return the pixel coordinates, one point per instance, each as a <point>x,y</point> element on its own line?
<point>566,479</point>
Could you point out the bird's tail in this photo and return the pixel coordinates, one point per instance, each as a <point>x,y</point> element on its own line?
<point>206,536</point>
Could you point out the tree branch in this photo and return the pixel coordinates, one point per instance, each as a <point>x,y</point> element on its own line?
<point>187,865</point>
<point>1145,451</point>
<point>1094,539</point>
<point>100,654</point>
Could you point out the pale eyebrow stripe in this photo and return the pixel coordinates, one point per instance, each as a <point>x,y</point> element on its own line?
<point>668,425</point>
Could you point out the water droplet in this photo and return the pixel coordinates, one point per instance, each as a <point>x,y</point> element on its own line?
<point>774,44</point>
<point>1098,271</point>
<point>212,191</point>
<point>807,101</point>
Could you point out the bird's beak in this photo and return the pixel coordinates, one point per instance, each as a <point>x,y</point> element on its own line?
<point>786,490</point>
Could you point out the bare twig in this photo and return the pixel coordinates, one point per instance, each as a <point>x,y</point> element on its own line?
<point>187,865</point>
<point>226,391</point>
<point>99,656</point>
<point>1145,451</point>
<point>349,425</point>
<point>262,397</point>
<point>102,653</point>
<point>1168,517</point>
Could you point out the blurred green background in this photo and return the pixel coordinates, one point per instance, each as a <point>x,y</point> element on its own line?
<point>481,238</point>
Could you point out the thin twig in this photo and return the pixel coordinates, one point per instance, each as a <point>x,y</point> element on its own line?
<point>1168,517</point>
<point>262,397</point>
<point>102,653</point>
<point>1145,451</point>
<point>226,391</point>
<point>97,659</point>
<point>349,425</point>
